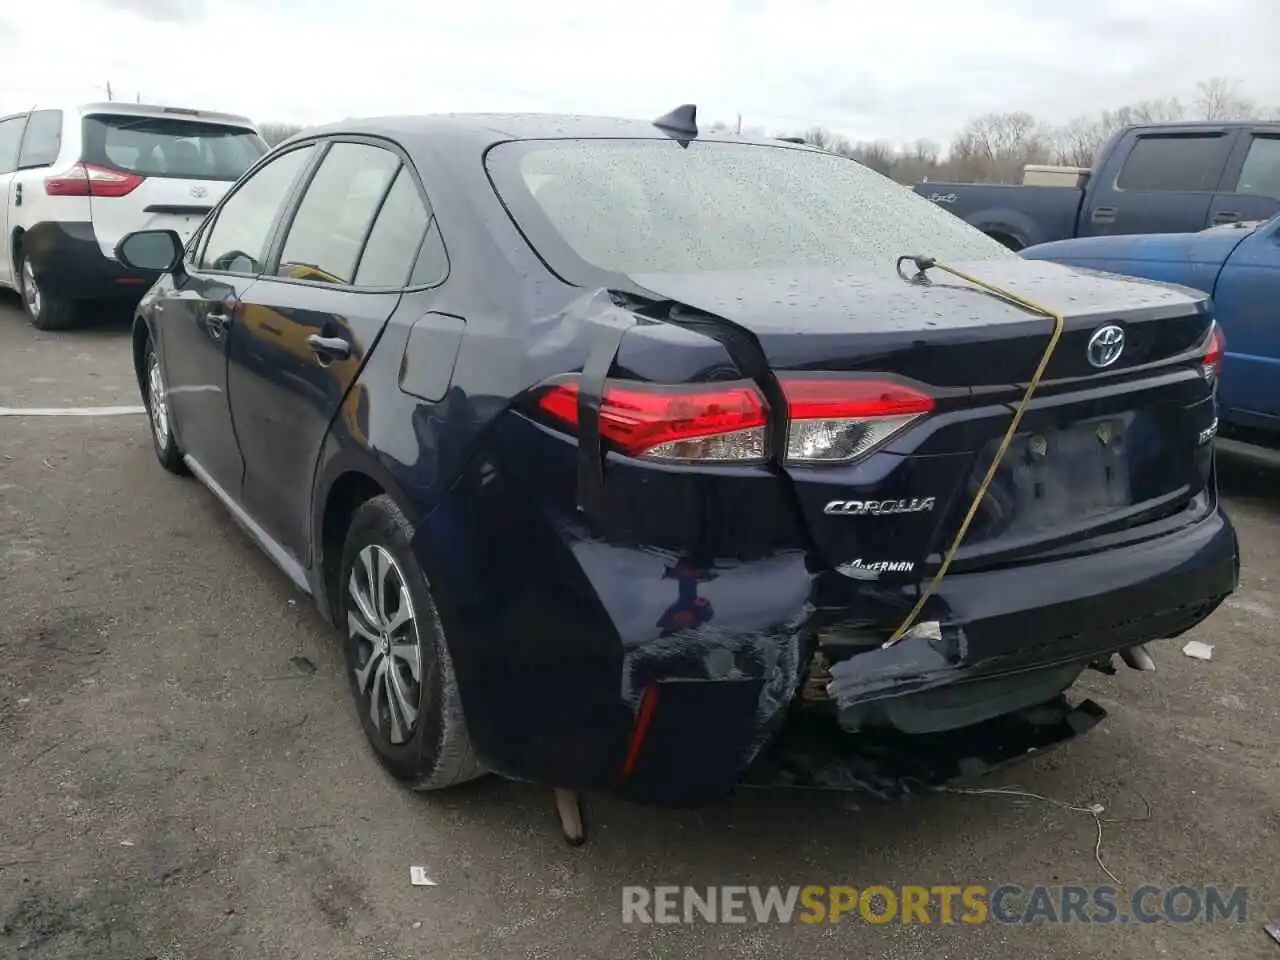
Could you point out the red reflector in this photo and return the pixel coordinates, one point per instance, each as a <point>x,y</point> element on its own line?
<point>644,717</point>
<point>1217,345</point>
<point>638,417</point>
<point>1213,355</point>
<point>87,180</point>
<point>822,398</point>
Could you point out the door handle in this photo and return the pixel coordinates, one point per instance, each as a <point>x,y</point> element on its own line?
<point>1103,215</point>
<point>1226,216</point>
<point>329,348</point>
<point>216,324</point>
<point>17,194</point>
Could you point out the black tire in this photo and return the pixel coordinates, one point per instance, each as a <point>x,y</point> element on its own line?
<point>46,311</point>
<point>1008,241</point>
<point>162,439</point>
<point>435,751</point>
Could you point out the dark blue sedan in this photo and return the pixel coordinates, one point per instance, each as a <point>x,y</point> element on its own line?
<point>609,446</point>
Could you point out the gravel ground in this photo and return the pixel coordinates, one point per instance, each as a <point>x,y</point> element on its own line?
<point>182,776</point>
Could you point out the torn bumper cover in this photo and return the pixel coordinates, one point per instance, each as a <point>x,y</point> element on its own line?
<point>1046,617</point>
<point>883,766</point>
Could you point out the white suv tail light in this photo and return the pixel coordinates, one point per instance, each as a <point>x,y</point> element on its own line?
<point>87,180</point>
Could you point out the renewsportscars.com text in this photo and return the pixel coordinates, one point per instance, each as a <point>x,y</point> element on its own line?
<point>966,904</point>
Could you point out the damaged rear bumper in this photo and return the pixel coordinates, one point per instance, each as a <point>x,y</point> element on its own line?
<point>883,766</point>
<point>1041,619</point>
<point>612,667</point>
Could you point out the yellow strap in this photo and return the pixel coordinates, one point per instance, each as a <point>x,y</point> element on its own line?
<point>1059,321</point>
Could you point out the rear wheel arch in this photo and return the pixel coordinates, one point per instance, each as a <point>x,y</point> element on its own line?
<point>343,498</point>
<point>141,336</point>
<point>1008,240</point>
<point>15,252</point>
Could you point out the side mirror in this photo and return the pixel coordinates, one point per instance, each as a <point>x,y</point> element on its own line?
<point>152,251</point>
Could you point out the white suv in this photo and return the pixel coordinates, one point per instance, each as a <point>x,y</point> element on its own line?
<point>74,181</point>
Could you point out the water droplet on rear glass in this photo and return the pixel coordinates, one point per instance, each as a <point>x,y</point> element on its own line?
<point>640,206</point>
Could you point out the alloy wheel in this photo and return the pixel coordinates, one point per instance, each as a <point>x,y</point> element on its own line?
<point>157,403</point>
<point>30,289</point>
<point>382,625</point>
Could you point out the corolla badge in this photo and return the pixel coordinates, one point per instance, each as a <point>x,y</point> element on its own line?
<point>199,191</point>
<point>877,508</point>
<point>1105,346</point>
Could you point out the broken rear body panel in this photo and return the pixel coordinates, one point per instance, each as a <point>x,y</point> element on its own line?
<point>649,627</point>
<point>711,589</point>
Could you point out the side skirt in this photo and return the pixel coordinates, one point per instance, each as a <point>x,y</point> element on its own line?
<point>278,554</point>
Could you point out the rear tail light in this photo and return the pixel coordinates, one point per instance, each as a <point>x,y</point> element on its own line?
<point>1213,355</point>
<point>86,180</point>
<point>830,420</point>
<point>712,422</point>
<point>837,420</point>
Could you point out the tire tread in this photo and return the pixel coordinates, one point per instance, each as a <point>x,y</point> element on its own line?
<point>456,762</point>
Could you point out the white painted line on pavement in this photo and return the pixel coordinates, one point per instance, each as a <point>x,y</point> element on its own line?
<point>70,411</point>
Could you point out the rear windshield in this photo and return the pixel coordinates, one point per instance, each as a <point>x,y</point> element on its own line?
<point>165,147</point>
<point>639,206</point>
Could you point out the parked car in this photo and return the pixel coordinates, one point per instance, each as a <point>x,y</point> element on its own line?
<point>74,180</point>
<point>1148,178</point>
<point>1239,267</point>
<point>605,432</point>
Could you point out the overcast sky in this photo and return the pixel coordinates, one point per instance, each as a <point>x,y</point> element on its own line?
<point>908,70</point>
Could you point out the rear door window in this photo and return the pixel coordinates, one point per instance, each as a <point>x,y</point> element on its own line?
<point>1175,163</point>
<point>170,147</point>
<point>43,139</point>
<point>10,137</point>
<point>395,238</point>
<point>335,215</point>
<point>1260,174</point>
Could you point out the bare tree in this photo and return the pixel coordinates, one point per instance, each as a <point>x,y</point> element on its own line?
<point>1219,98</point>
<point>925,152</point>
<point>878,155</point>
<point>996,146</point>
<point>824,139</point>
<point>1076,142</point>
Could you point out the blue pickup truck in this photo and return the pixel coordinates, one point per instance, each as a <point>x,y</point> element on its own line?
<point>1239,266</point>
<point>1148,178</point>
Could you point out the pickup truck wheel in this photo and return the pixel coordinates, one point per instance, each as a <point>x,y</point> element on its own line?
<point>1008,241</point>
<point>45,310</point>
<point>397,659</point>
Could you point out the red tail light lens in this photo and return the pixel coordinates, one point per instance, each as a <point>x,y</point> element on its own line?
<point>1213,356</point>
<point>831,420</point>
<point>86,180</point>
<point>724,422</point>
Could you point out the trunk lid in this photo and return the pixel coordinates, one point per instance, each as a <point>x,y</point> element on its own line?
<point>947,333</point>
<point>1099,448</point>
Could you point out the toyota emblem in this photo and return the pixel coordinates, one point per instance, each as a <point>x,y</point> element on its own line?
<point>1105,346</point>
<point>199,191</point>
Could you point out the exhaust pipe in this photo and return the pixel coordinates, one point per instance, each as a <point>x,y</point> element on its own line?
<point>1138,658</point>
